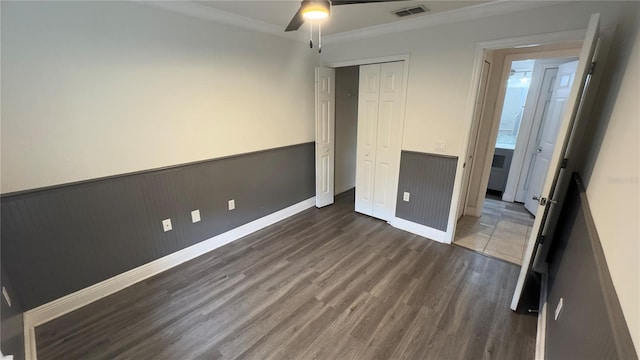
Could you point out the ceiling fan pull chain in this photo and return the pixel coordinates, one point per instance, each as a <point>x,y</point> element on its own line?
<point>310,34</point>
<point>319,37</point>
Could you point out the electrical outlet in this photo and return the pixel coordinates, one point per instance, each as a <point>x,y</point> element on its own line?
<point>166,225</point>
<point>195,216</point>
<point>232,204</point>
<point>6,296</point>
<point>440,146</point>
<point>405,196</point>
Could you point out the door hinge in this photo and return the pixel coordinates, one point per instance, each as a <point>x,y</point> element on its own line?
<point>592,68</point>
<point>564,163</point>
<point>540,239</point>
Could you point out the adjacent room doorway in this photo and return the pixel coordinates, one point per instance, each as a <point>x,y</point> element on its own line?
<point>533,93</point>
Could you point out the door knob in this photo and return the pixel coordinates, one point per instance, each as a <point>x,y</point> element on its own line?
<point>544,201</point>
<point>539,149</point>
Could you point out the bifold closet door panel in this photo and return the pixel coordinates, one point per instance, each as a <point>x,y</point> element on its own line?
<point>368,101</point>
<point>388,139</point>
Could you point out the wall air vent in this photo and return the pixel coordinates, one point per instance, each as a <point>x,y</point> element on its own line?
<point>410,11</point>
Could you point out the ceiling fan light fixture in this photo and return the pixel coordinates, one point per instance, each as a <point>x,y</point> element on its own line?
<point>315,10</point>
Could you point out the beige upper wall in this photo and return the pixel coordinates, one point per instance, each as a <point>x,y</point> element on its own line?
<point>92,89</point>
<point>441,63</point>
<point>442,59</point>
<point>612,170</point>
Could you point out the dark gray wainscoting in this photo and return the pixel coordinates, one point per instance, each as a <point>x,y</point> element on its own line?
<point>12,342</point>
<point>591,324</point>
<point>62,239</point>
<point>429,178</point>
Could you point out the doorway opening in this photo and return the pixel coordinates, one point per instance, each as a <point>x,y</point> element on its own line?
<point>512,146</point>
<point>346,125</point>
<point>359,122</point>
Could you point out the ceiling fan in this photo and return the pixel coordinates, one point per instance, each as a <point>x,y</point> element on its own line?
<point>318,10</point>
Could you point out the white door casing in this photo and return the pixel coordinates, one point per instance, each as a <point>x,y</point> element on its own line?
<point>325,135</point>
<point>473,136</point>
<point>548,211</point>
<point>379,137</point>
<point>548,133</point>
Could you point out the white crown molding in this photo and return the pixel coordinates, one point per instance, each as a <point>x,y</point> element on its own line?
<point>204,12</point>
<point>494,8</point>
<point>497,7</point>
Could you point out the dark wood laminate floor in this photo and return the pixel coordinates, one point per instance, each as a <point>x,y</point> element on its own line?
<point>325,284</point>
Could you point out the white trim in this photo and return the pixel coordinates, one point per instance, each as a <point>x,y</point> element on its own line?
<point>367,61</point>
<point>494,8</point>
<point>424,231</point>
<point>204,12</point>
<point>73,301</point>
<point>538,39</point>
<point>542,318</point>
<point>484,10</point>
<point>479,11</point>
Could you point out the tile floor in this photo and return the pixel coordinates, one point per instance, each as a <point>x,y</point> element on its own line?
<point>502,231</point>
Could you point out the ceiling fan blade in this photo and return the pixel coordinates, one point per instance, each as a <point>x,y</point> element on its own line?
<point>296,21</point>
<point>351,2</point>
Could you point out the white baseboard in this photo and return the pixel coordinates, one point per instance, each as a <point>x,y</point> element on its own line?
<point>542,318</point>
<point>414,228</point>
<point>80,298</point>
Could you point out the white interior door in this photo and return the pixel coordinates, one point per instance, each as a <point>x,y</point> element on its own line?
<point>546,78</point>
<point>388,139</point>
<point>325,135</point>
<point>548,133</point>
<point>379,137</point>
<point>368,100</point>
<point>555,183</point>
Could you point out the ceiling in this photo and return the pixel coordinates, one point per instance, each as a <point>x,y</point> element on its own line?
<point>343,18</point>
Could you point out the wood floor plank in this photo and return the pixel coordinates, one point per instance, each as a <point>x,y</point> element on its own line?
<point>324,284</point>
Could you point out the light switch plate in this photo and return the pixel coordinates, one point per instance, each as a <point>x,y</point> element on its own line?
<point>6,296</point>
<point>232,204</point>
<point>558,309</point>
<point>405,196</point>
<point>195,216</point>
<point>166,225</point>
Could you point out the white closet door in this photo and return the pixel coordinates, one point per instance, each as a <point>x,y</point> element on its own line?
<point>379,137</point>
<point>325,134</point>
<point>368,99</point>
<point>388,139</point>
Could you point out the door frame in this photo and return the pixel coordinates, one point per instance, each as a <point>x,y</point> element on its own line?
<point>395,172</point>
<point>495,121</point>
<point>470,155</point>
<point>531,41</point>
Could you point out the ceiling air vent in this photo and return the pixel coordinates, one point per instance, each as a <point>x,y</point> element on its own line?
<point>410,11</point>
